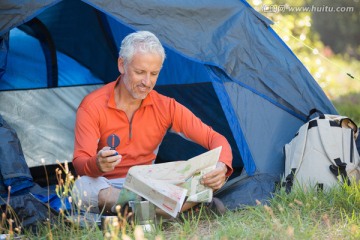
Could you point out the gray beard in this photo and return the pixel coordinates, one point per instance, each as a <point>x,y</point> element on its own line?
<point>128,88</point>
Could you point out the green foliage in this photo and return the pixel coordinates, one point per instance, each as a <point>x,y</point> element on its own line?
<point>344,24</point>
<point>314,36</point>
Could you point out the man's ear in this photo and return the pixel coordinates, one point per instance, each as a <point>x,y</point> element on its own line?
<point>121,65</point>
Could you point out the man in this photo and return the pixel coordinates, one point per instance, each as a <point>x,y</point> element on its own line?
<point>140,117</point>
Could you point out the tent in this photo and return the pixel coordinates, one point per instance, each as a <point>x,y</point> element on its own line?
<point>224,62</point>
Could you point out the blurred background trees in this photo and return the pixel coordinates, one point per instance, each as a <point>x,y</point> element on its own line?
<point>340,31</point>
<point>325,36</point>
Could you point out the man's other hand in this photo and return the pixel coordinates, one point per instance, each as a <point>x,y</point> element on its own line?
<point>106,160</point>
<point>216,178</point>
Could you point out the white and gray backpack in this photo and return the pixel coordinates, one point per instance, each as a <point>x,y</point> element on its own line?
<point>322,153</point>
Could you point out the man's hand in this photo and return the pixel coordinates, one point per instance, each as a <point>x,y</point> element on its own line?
<point>216,178</point>
<point>106,161</point>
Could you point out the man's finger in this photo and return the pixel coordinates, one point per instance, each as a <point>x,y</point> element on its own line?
<point>116,163</point>
<point>110,158</point>
<point>101,153</point>
<point>214,173</point>
<point>214,181</point>
<point>114,159</point>
<point>211,181</point>
<point>106,153</point>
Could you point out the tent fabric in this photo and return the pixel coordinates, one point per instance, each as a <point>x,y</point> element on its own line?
<point>233,39</point>
<point>14,13</point>
<point>4,48</point>
<point>203,106</point>
<point>244,190</point>
<point>223,50</point>
<point>26,51</point>
<point>100,53</point>
<point>44,121</point>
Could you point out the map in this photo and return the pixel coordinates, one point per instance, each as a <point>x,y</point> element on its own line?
<point>169,185</point>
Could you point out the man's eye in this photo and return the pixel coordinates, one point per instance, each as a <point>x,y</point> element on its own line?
<point>154,73</point>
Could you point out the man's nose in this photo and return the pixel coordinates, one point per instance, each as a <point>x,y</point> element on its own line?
<point>146,79</point>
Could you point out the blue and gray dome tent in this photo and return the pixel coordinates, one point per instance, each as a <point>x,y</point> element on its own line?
<point>224,62</point>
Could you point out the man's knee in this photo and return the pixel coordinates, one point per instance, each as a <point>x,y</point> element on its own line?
<point>108,197</point>
<point>86,192</point>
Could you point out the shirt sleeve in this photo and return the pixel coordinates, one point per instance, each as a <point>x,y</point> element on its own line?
<point>86,144</point>
<point>185,123</point>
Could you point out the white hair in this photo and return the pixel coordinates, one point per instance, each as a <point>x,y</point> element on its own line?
<point>143,42</point>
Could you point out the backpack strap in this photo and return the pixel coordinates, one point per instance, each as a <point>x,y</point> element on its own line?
<point>300,150</point>
<point>296,156</point>
<point>314,110</point>
<point>340,169</point>
<point>330,147</point>
<point>289,180</point>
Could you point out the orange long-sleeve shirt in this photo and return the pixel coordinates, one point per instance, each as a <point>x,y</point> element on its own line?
<point>97,118</point>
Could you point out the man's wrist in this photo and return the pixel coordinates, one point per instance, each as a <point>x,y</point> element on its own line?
<point>98,164</point>
<point>223,166</point>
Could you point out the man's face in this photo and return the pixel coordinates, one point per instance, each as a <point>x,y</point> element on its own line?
<point>140,74</point>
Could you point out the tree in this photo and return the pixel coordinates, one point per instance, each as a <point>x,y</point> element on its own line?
<point>338,18</point>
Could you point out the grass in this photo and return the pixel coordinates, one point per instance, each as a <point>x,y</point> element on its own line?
<point>302,214</point>
<point>349,105</point>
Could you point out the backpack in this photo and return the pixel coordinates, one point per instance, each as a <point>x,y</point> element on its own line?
<point>322,153</point>
<point>19,194</point>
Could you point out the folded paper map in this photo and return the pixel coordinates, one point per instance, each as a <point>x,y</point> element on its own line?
<point>167,185</point>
